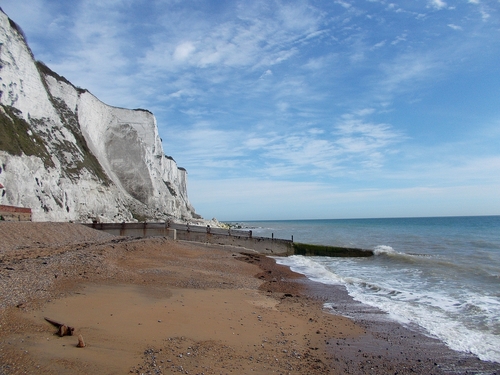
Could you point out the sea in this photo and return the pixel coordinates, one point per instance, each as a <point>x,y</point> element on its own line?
<point>441,274</point>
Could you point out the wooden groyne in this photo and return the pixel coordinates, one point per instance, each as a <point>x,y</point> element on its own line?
<point>227,237</point>
<point>329,251</point>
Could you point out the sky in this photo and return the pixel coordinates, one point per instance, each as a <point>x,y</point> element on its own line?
<point>309,109</point>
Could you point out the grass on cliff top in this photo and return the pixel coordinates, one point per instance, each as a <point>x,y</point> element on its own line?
<point>15,138</point>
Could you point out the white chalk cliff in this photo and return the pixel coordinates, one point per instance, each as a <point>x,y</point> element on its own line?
<point>68,156</point>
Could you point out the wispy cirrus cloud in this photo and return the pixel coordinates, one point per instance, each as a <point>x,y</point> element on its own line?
<point>354,101</point>
<point>241,41</point>
<point>404,73</point>
<point>351,144</point>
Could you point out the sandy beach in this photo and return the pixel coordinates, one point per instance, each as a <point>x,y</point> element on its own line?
<point>158,306</point>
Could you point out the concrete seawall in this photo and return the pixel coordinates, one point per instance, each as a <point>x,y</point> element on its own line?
<point>133,229</point>
<point>262,245</point>
<point>217,236</point>
<point>227,237</point>
<point>12,213</point>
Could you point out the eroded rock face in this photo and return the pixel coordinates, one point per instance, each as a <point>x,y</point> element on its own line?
<point>68,156</point>
<point>125,153</point>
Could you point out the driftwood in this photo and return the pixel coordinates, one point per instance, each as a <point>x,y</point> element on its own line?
<point>81,343</point>
<point>62,329</point>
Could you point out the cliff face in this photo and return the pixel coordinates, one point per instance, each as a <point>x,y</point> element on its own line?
<point>68,156</point>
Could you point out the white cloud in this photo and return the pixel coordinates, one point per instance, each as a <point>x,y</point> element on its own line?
<point>354,145</point>
<point>299,17</point>
<point>438,4</point>
<point>365,143</point>
<point>316,64</point>
<point>267,73</point>
<point>258,89</point>
<point>233,41</point>
<point>183,51</point>
<point>282,106</point>
<point>211,143</point>
<point>361,112</point>
<point>316,131</point>
<point>406,70</point>
<point>485,15</point>
<point>430,187</point>
<point>254,142</point>
<point>399,39</point>
<point>379,45</point>
<point>343,4</point>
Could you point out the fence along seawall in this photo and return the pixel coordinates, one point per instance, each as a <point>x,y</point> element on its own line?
<point>227,237</point>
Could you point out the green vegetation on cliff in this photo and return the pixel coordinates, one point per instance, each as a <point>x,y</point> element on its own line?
<point>17,138</point>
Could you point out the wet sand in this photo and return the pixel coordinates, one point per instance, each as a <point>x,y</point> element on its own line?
<point>157,306</point>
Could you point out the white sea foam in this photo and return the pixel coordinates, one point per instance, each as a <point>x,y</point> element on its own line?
<point>383,249</point>
<point>439,273</point>
<point>310,268</point>
<point>460,318</point>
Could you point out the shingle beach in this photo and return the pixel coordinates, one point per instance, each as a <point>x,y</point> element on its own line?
<point>158,306</point>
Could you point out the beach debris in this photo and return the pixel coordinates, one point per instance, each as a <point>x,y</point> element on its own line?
<point>62,329</point>
<point>81,343</point>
